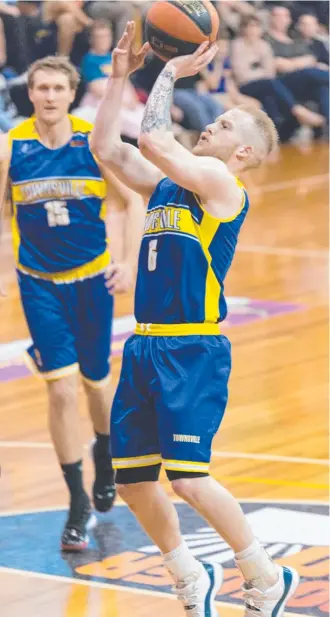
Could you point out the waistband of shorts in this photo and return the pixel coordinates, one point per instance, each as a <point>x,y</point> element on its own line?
<point>177,329</point>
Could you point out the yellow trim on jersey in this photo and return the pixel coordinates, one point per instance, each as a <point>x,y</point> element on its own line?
<point>103,210</point>
<point>177,329</point>
<point>136,461</point>
<point>15,233</point>
<point>92,268</point>
<point>185,466</point>
<point>78,188</point>
<point>97,385</point>
<point>27,129</point>
<point>207,230</point>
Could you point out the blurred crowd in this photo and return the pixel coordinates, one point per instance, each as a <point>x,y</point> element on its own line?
<point>272,54</point>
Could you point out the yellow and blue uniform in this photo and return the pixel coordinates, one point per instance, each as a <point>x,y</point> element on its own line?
<point>61,251</point>
<point>172,391</point>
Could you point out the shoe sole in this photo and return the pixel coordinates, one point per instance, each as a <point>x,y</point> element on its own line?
<point>289,593</point>
<point>218,580</point>
<point>69,548</point>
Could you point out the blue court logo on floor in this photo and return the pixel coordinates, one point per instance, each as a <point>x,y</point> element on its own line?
<point>121,554</point>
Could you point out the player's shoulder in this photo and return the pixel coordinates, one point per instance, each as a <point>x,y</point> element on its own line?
<point>23,130</point>
<point>80,126</point>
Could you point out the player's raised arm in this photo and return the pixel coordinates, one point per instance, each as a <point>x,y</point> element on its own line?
<point>205,176</point>
<point>123,159</point>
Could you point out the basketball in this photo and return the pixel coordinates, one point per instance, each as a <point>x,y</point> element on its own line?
<point>178,28</point>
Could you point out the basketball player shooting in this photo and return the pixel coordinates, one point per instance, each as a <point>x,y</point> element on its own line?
<point>172,392</point>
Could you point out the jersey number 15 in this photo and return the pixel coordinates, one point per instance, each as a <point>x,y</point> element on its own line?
<point>57,213</point>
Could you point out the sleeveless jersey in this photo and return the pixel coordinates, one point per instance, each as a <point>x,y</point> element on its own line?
<point>58,205</point>
<point>184,258</point>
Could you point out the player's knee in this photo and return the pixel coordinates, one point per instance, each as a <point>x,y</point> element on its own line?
<point>130,493</point>
<point>62,393</point>
<point>188,488</point>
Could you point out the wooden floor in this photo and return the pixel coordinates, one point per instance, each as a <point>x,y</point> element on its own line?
<point>273,444</point>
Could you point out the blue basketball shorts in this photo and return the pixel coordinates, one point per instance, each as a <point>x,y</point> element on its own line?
<point>170,401</point>
<point>70,325</point>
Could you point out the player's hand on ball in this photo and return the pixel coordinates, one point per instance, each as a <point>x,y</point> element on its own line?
<point>185,66</point>
<point>125,59</point>
<point>119,278</point>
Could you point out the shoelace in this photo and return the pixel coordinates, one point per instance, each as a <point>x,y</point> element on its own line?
<point>189,598</point>
<point>254,599</point>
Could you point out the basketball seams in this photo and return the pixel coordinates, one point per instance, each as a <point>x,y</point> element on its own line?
<point>192,32</point>
<point>200,27</point>
<point>173,31</point>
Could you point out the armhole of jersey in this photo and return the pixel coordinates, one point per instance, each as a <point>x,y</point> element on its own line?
<point>234,216</point>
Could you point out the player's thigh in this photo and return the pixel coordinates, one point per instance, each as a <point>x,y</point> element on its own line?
<point>193,377</point>
<point>134,433</point>
<point>93,325</point>
<point>45,307</point>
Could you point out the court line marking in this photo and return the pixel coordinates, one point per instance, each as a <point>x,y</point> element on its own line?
<point>279,458</point>
<point>112,586</point>
<point>42,510</point>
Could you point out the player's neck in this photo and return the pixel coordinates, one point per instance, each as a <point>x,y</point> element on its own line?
<point>56,135</point>
<point>234,166</point>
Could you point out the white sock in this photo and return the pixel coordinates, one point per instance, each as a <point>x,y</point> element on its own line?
<point>181,563</point>
<point>255,564</point>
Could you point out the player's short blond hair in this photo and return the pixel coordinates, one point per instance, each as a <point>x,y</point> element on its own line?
<point>265,137</point>
<point>58,64</point>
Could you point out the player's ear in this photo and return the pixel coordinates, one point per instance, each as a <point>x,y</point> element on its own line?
<point>72,96</point>
<point>243,152</point>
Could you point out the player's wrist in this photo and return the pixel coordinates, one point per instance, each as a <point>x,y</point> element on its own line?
<point>171,66</point>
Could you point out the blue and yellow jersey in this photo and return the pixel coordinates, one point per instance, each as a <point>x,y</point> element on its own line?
<point>58,205</point>
<point>184,258</point>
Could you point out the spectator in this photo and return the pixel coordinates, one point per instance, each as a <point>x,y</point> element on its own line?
<point>6,108</point>
<point>3,48</point>
<point>254,69</point>
<point>221,84</point>
<point>296,65</point>
<point>96,68</point>
<point>230,13</point>
<point>308,30</point>
<point>16,50</point>
<point>69,18</point>
<point>116,12</point>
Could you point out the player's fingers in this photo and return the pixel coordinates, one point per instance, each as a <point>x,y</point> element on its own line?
<point>143,51</point>
<point>122,43</point>
<point>201,49</point>
<point>110,271</point>
<point>132,28</point>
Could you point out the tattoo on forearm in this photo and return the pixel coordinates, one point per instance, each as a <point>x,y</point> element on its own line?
<point>157,114</point>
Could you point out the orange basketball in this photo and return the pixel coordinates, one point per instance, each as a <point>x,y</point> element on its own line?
<point>177,28</point>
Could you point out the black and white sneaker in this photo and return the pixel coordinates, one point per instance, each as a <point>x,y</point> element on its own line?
<point>80,520</point>
<point>104,487</point>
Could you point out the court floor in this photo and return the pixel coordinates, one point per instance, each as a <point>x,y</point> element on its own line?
<point>271,451</point>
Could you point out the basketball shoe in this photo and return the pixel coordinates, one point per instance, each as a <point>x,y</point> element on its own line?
<point>80,520</point>
<point>272,602</point>
<point>198,591</point>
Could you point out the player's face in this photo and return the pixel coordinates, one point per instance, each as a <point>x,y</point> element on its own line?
<point>51,96</point>
<point>221,138</point>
